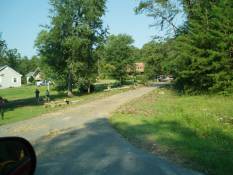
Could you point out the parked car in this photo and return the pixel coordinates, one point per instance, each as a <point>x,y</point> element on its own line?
<point>164,78</point>
<point>42,83</point>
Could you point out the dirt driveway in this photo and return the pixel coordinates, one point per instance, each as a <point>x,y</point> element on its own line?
<point>80,141</point>
<point>74,117</point>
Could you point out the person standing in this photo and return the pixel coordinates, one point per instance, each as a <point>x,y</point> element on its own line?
<point>47,95</point>
<point>2,105</point>
<point>37,93</point>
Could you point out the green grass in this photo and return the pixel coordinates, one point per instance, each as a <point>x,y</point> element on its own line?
<point>23,92</point>
<point>22,105</point>
<point>196,131</point>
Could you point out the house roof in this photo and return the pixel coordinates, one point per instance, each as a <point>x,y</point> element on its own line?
<point>5,66</point>
<point>34,73</point>
<point>140,64</point>
<point>30,74</point>
<point>2,67</point>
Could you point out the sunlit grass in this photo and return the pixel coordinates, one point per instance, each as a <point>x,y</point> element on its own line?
<point>22,104</point>
<point>196,131</point>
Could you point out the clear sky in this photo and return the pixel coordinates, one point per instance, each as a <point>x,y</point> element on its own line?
<point>20,22</point>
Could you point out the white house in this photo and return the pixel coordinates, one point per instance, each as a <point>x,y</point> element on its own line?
<point>9,77</point>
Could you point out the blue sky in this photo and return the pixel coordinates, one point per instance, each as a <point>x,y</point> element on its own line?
<point>20,22</point>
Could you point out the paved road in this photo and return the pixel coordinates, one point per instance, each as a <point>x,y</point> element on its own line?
<point>80,141</point>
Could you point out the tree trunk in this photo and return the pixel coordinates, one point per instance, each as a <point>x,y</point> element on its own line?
<point>69,90</point>
<point>121,81</point>
<point>98,68</point>
<point>89,87</point>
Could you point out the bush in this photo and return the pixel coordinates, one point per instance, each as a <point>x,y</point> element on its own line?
<point>82,87</point>
<point>141,79</point>
<point>115,84</point>
<point>100,87</point>
<point>31,80</point>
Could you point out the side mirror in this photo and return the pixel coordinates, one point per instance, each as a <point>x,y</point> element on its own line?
<point>17,156</point>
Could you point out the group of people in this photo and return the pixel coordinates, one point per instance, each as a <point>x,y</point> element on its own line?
<point>37,95</point>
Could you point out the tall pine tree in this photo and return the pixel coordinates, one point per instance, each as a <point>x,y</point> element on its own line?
<point>202,58</point>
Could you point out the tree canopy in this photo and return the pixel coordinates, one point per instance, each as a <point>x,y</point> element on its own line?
<point>12,58</point>
<point>200,54</point>
<point>119,55</point>
<point>67,46</point>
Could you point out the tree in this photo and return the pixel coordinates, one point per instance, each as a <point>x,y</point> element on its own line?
<point>164,12</point>
<point>12,58</point>
<point>137,56</point>
<point>201,51</point>
<point>153,54</point>
<point>69,43</point>
<point>3,48</point>
<point>118,56</point>
<point>205,62</point>
<point>26,65</point>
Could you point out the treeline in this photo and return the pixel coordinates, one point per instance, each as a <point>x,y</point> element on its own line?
<point>75,49</point>
<point>12,58</point>
<point>200,56</point>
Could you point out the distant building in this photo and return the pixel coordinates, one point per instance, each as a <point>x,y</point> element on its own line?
<point>36,75</point>
<point>9,77</point>
<point>140,67</point>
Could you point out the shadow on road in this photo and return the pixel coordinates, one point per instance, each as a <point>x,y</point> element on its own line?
<point>89,150</point>
<point>97,149</point>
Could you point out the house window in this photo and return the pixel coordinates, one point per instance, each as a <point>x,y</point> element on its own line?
<point>15,80</point>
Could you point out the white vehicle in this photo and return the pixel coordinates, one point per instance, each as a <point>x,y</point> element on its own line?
<point>42,83</point>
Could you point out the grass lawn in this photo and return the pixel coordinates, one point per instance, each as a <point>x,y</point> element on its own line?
<point>196,131</point>
<point>22,103</point>
<point>24,92</point>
